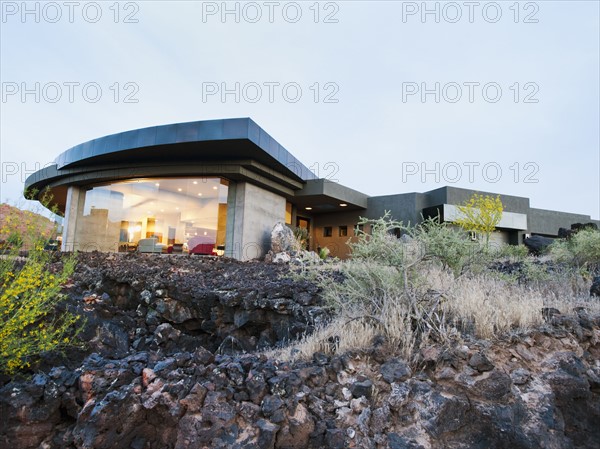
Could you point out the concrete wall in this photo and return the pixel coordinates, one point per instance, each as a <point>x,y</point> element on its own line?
<point>251,214</point>
<point>405,207</point>
<point>509,220</point>
<point>458,196</point>
<point>543,221</point>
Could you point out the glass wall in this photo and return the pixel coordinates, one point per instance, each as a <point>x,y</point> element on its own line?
<point>174,215</point>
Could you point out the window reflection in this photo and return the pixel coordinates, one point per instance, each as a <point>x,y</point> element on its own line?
<point>155,215</point>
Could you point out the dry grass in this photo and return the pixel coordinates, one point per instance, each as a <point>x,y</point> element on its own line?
<point>480,305</point>
<point>345,334</point>
<point>436,286</point>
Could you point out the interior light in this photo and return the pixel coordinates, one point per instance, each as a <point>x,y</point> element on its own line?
<point>205,232</point>
<point>308,208</point>
<point>176,208</point>
<point>343,204</point>
<point>162,210</point>
<point>179,190</point>
<point>215,187</point>
<point>195,182</point>
<point>157,184</point>
<point>200,194</point>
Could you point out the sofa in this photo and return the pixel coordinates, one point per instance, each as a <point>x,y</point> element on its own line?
<point>201,245</point>
<point>150,245</point>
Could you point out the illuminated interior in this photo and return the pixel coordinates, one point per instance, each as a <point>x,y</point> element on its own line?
<point>178,215</point>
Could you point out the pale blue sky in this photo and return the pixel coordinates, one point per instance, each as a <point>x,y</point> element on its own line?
<point>370,136</point>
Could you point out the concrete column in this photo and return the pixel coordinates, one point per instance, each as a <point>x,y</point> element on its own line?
<point>73,210</point>
<point>251,214</point>
<point>230,246</point>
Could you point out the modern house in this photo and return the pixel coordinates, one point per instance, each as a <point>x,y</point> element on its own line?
<point>219,186</point>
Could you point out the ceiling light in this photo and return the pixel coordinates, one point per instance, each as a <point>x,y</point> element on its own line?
<point>343,204</point>
<point>200,194</point>
<point>157,184</point>
<point>195,182</point>
<point>215,188</point>
<point>179,190</point>
<point>308,208</point>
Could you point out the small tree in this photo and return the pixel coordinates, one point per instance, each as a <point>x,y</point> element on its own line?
<point>480,214</point>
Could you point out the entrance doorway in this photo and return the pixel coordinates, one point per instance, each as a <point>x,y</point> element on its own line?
<point>304,223</point>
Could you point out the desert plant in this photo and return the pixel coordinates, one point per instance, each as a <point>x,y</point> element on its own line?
<point>324,253</point>
<point>582,250</point>
<point>301,235</point>
<point>433,283</point>
<point>514,253</point>
<point>15,240</point>
<point>29,295</point>
<point>448,245</point>
<point>480,214</point>
<point>487,307</point>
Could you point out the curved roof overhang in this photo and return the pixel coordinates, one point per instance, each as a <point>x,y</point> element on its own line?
<point>234,148</point>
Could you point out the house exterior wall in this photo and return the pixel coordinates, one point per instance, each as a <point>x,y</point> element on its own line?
<point>336,244</point>
<point>547,222</point>
<point>405,207</point>
<point>262,176</point>
<point>251,214</point>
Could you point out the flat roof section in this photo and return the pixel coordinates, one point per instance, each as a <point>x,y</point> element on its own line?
<point>322,195</point>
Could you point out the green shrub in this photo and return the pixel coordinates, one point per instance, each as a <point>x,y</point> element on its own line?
<point>582,250</point>
<point>515,253</point>
<point>450,246</point>
<point>324,253</point>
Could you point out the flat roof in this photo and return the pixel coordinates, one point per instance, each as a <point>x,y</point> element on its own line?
<point>236,138</point>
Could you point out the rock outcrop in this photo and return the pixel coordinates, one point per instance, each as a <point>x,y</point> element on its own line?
<point>285,248</point>
<point>170,365</point>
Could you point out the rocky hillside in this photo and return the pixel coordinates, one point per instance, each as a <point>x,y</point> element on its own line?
<point>14,219</point>
<point>172,360</point>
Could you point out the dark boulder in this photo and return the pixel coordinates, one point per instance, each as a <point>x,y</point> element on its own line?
<point>537,244</point>
<point>595,288</point>
<point>580,226</point>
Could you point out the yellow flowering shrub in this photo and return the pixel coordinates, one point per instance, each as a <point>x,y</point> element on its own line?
<point>480,214</point>
<point>29,293</point>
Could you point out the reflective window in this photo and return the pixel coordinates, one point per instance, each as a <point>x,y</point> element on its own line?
<point>172,215</point>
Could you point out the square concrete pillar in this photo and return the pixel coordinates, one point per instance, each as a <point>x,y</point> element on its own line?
<point>251,214</point>
<point>73,210</point>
